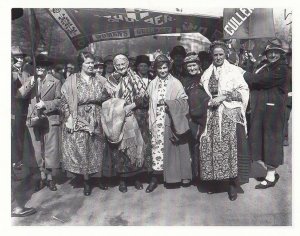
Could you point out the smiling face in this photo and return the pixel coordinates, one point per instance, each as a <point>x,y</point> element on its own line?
<point>121,66</point>
<point>143,68</point>
<point>163,70</point>
<point>273,55</point>
<point>218,56</point>
<point>99,69</point>
<point>88,66</point>
<point>19,61</point>
<point>41,71</point>
<point>193,68</point>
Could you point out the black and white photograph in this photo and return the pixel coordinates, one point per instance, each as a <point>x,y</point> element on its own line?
<point>150,114</point>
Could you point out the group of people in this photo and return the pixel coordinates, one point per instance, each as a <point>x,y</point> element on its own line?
<point>184,120</point>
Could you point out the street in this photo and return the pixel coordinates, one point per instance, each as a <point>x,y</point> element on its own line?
<point>164,207</point>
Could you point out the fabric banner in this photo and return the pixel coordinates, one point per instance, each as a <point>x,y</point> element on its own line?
<point>84,26</point>
<point>35,33</point>
<point>248,23</point>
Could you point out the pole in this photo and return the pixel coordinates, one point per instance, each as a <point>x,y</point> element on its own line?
<point>32,32</point>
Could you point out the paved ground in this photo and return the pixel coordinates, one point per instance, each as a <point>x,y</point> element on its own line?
<point>180,206</point>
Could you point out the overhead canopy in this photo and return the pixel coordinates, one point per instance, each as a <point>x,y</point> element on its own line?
<point>85,26</point>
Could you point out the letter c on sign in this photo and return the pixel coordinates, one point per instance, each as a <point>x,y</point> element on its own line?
<point>229,32</point>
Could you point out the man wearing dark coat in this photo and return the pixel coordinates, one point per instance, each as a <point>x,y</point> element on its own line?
<point>18,106</point>
<point>268,87</point>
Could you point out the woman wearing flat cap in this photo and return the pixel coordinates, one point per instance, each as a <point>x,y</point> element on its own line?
<point>197,100</point>
<point>268,85</point>
<point>43,119</point>
<point>223,143</point>
<point>168,123</point>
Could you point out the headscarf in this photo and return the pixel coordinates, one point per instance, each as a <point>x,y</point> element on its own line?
<point>120,57</point>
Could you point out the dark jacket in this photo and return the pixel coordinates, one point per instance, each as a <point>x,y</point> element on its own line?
<point>198,100</point>
<point>268,100</point>
<point>18,106</point>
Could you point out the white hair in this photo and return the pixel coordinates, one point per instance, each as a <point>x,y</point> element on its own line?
<point>120,57</point>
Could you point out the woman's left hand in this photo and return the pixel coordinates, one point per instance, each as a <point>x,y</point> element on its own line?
<point>128,109</point>
<point>40,105</point>
<point>217,100</point>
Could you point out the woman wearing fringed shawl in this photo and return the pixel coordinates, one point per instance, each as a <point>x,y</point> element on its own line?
<point>168,109</point>
<point>83,139</point>
<point>129,156</point>
<point>223,144</point>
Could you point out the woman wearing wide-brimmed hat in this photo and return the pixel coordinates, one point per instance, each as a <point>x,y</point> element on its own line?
<point>43,120</point>
<point>83,139</point>
<point>268,85</point>
<point>168,109</point>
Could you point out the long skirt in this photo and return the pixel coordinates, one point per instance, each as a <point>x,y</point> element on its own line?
<point>226,156</point>
<point>82,153</point>
<point>117,163</point>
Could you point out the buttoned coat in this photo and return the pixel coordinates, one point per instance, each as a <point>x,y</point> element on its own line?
<point>268,100</point>
<point>50,94</point>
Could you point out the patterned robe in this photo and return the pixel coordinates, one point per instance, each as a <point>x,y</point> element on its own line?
<point>223,145</point>
<point>157,140</point>
<point>82,150</point>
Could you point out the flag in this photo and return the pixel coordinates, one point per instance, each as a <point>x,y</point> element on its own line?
<point>37,40</point>
<point>248,23</point>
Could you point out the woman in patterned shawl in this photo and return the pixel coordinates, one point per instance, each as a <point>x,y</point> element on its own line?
<point>129,157</point>
<point>82,139</point>
<point>223,144</point>
<point>168,123</point>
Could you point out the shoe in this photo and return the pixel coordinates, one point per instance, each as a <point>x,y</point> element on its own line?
<point>86,188</point>
<point>269,183</point>
<point>123,187</point>
<point>210,192</point>
<point>232,193</point>
<point>138,185</point>
<point>103,186</point>
<point>186,183</point>
<point>51,185</point>
<point>260,179</point>
<point>22,212</point>
<point>41,184</point>
<point>151,187</point>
